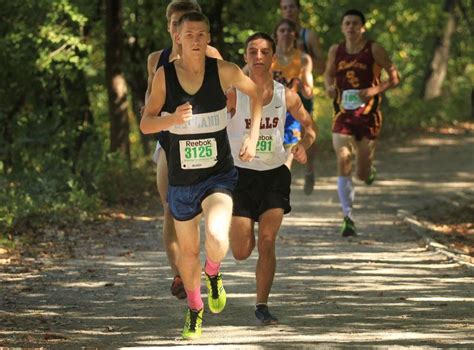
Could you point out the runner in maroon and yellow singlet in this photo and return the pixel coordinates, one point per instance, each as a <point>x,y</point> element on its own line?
<point>352,79</point>
<point>353,73</point>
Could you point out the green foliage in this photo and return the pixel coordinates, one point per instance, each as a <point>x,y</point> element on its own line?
<point>42,194</point>
<point>120,184</point>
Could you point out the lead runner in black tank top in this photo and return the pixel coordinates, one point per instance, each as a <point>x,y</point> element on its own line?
<point>209,98</point>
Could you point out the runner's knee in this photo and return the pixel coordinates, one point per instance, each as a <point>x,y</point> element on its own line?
<point>189,252</point>
<point>266,245</point>
<point>217,242</point>
<point>363,173</point>
<point>243,252</point>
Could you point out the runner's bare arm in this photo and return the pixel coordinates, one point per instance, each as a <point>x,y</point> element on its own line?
<point>307,75</point>
<point>152,61</point>
<point>231,101</point>
<point>231,76</point>
<point>316,53</point>
<point>330,72</point>
<point>151,122</point>
<point>297,110</point>
<point>211,51</point>
<point>383,60</point>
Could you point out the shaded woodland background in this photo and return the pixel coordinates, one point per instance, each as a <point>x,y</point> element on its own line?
<point>73,77</point>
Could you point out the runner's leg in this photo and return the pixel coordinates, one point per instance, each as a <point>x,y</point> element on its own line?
<point>269,224</point>
<point>242,237</point>
<point>217,210</point>
<point>189,263</point>
<point>345,188</point>
<point>169,234</point>
<point>365,150</point>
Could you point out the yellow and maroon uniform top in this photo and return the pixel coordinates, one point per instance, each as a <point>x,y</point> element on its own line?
<point>355,72</point>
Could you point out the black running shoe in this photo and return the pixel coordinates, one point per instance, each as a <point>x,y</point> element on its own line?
<point>264,316</point>
<point>348,227</point>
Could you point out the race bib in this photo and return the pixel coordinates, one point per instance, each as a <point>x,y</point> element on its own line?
<point>351,99</point>
<point>198,154</point>
<point>265,147</point>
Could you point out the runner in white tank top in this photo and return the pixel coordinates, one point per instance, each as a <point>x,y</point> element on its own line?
<point>270,151</point>
<point>262,193</point>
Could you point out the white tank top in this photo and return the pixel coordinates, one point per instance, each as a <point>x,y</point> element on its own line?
<point>270,151</point>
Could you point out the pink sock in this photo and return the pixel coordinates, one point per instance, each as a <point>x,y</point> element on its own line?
<point>194,299</point>
<point>211,268</point>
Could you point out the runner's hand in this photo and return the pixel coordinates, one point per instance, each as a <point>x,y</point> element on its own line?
<point>248,149</point>
<point>366,94</point>
<point>299,153</point>
<point>331,91</point>
<point>183,113</point>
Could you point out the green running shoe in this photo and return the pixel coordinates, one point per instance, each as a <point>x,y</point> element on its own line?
<point>216,296</point>
<point>193,324</point>
<point>348,227</point>
<point>373,174</point>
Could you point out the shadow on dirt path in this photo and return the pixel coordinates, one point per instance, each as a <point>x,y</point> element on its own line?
<point>382,288</point>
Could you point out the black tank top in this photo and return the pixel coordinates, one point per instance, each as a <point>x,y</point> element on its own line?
<point>204,136</point>
<point>164,58</point>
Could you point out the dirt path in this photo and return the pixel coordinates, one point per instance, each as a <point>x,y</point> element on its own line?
<point>380,289</point>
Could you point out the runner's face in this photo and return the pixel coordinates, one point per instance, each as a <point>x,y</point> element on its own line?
<point>259,55</point>
<point>173,24</point>
<point>352,27</point>
<point>194,37</point>
<point>289,10</point>
<point>285,35</point>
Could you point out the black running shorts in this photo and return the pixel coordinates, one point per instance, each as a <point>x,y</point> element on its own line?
<point>258,191</point>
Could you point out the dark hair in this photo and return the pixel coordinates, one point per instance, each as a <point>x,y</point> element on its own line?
<point>194,16</point>
<point>260,35</point>
<point>290,23</point>
<point>354,12</point>
<point>297,3</point>
<point>181,6</point>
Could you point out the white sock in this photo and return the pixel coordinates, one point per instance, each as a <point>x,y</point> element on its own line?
<point>346,192</point>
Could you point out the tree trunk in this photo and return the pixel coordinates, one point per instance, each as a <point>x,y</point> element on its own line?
<point>439,64</point>
<point>137,81</point>
<point>6,154</point>
<point>82,119</point>
<point>116,84</point>
<point>214,13</point>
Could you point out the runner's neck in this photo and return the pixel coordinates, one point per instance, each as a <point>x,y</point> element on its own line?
<point>353,47</point>
<point>265,81</point>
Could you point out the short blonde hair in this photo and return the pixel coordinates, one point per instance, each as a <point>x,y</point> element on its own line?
<point>181,6</point>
